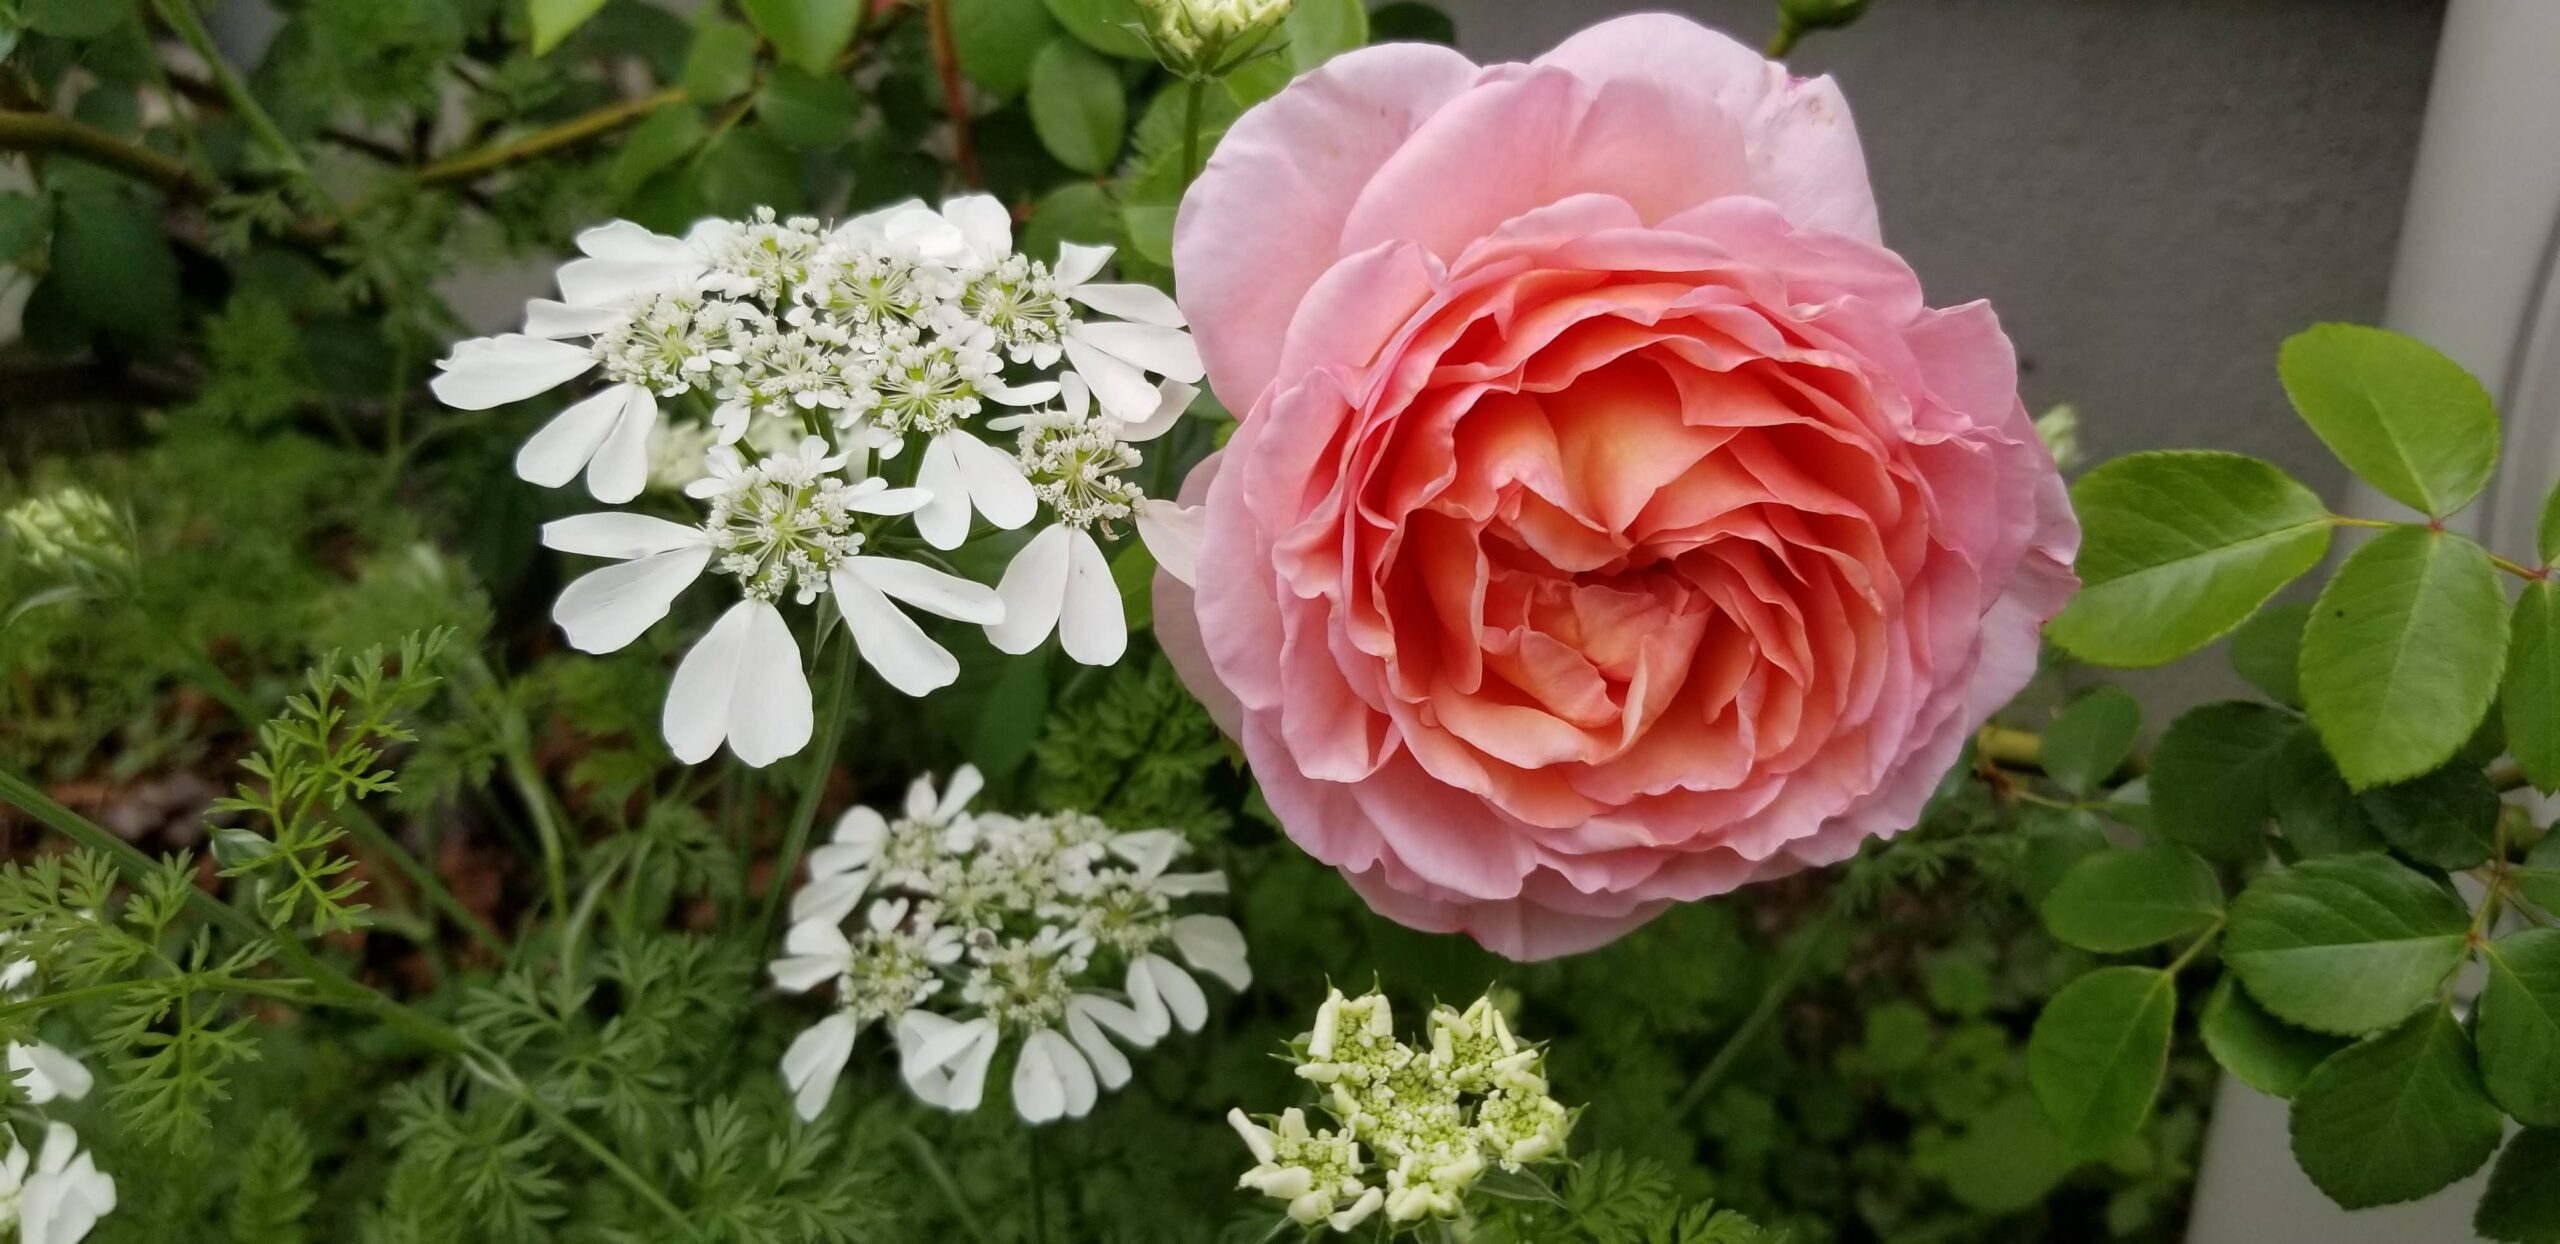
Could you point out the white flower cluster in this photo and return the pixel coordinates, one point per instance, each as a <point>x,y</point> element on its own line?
<point>799,362</point>
<point>70,533</point>
<point>58,1197</point>
<point>1414,1128</point>
<point>962,931</point>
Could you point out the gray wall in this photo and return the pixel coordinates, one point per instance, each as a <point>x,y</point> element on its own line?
<point>2154,193</point>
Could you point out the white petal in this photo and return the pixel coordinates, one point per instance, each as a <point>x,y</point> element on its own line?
<point>61,1144</point>
<point>870,226</point>
<point>948,595</point>
<point>554,455</point>
<point>50,1073</point>
<point>802,973</point>
<point>769,712</point>
<point>621,466</point>
<point>1034,589</point>
<point>943,520</point>
<point>889,640</point>
<point>1173,399</point>
<point>1167,352</point>
<point>1109,1064</point>
<point>1121,387</point>
<point>1093,626</point>
<point>1214,945</point>
<point>996,486</point>
<point>966,782</point>
<point>1078,263</point>
<point>1147,1001</point>
<point>924,233</point>
<point>1031,394</point>
<point>984,225</point>
<point>969,1074</point>
<point>890,501</point>
<point>623,239</point>
<point>1074,1073</point>
<point>835,859</point>
<point>1039,1083</point>
<point>1181,994</point>
<point>552,320</point>
<point>493,371</point>
<point>617,534</point>
<point>862,827</point>
<point>1173,533</point>
<point>605,609</point>
<point>617,282</point>
<point>815,1059</point>
<point>826,900</point>
<point>1143,303</point>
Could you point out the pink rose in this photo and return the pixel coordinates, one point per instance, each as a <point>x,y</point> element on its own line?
<point>1610,524</point>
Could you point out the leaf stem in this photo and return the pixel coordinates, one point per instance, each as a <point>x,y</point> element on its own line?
<point>2197,946</point>
<point>182,17</point>
<point>470,164</point>
<point>795,839</point>
<point>43,131</point>
<point>1194,93</point>
<point>940,1176</point>
<point>955,91</point>
<point>1772,996</point>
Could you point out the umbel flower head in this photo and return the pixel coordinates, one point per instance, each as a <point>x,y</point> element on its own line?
<point>967,932</point>
<point>73,535</point>
<point>1414,1126</point>
<point>56,1198</point>
<point>823,396</point>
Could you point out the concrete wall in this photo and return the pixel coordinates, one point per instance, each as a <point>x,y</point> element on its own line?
<point>2154,193</point>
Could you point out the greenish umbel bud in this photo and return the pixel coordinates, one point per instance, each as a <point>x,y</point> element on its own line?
<point>1202,39</point>
<point>73,536</point>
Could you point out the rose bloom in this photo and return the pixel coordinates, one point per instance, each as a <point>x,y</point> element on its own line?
<point>1610,523</point>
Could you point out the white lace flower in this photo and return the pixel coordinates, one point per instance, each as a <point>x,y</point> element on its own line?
<point>46,1074</point>
<point>1039,911</point>
<point>766,367</point>
<point>1319,1173</point>
<point>61,1198</point>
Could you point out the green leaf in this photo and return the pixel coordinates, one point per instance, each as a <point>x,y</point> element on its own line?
<point>2530,697</point>
<point>654,145</point>
<point>745,169</point>
<point>2447,819</point>
<point>2055,841</point>
<point>2540,876</point>
<point>2345,944</point>
<point>2179,547</point>
<point>808,33</point>
<point>2402,416</point>
<point>1315,32</point>
<point>2091,738</point>
<point>24,220</point>
<point>1108,26</point>
<point>2268,1054</point>
<point>2267,651</point>
<point>2314,810</point>
<point>2117,901</point>
<point>2401,657</point>
<point>1407,21</point>
<point>2546,533</point>
<point>2519,1026</point>
<point>805,110</point>
<point>113,267</point>
<point>721,64</point>
<point>75,19</point>
<point>997,39</point>
<point>2210,787</point>
<point>1079,211</point>
<point>554,20</point>
<point>2395,1116</point>
<point>2518,1207</point>
<point>1077,106</point>
<point>2097,1054</point>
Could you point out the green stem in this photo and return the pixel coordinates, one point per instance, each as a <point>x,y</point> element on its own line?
<point>182,17</point>
<point>1771,998</point>
<point>1784,39</point>
<point>2197,946</point>
<point>380,842</point>
<point>1194,92</point>
<point>795,840</point>
<point>940,1176</point>
<point>552,1118</point>
<point>1039,1185</point>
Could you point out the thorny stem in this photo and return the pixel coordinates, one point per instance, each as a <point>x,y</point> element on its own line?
<point>335,988</point>
<point>795,839</point>
<point>2511,566</point>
